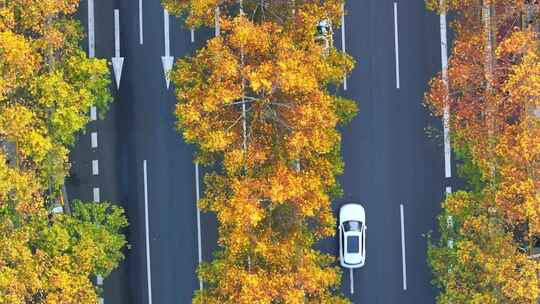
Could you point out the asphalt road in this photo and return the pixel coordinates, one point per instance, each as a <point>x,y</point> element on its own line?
<point>389,160</point>
<point>140,126</point>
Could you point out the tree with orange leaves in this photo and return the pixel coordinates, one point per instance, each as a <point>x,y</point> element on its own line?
<point>256,99</point>
<point>281,85</point>
<point>484,259</point>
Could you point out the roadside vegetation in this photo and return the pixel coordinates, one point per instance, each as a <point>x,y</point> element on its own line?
<point>489,233</point>
<point>257,102</point>
<point>46,90</point>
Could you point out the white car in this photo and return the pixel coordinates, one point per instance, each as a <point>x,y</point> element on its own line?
<point>57,209</point>
<point>324,35</point>
<point>352,235</point>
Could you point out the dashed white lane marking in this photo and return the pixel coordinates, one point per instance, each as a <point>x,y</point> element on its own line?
<point>95,167</point>
<point>448,190</point>
<point>396,42</point>
<point>101,301</point>
<point>91,32</point>
<point>446,111</point>
<point>99,280</point>
<point>93,140</point>
<point>96,195</point>
<point>93,113</point>
<point>199,245</point>
<point>403,247</point>
<point>343,41</point>
<point>147,234</point>
<point>192,35</point>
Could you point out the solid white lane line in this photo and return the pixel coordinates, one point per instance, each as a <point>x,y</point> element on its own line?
<point>93,113</point>
<point>199,245</point>
<point>91,32</point>
<point>140,23</point>
<point>343,41</point>
<point>96,195</point>
<point>446,112</point>
<point>93,140</point>
<point>95,167</point>
<point>117,61</point>
<point>403,248</point>
<point>351,280</point>
<point>149,271</point>
<point>396,43</point>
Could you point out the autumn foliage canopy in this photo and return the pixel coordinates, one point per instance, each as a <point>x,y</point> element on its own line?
<point>493,97</point>
<point>256,101</point>
<point>46,90</point>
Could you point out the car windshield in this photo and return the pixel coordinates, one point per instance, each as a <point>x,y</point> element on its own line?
<point>353,244</point>
<point>352,226</point>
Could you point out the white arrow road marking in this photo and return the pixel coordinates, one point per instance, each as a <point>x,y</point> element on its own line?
<point>149,271</point>
<point>117,61</point>
<point>167,60</point>
<point>91,33</point>
<point>198,220</point>
<point>403,247</point>
<point>446,113</point>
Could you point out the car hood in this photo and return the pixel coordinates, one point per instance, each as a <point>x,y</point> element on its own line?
<point>352,212</point>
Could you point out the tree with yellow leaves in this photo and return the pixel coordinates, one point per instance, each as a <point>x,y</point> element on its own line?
<point>476,261</point>
<point>303,13</point>
<point>484,257</point>
<point>266,242</point>
<point>48,84</point>
<point>44,261</point>
<point>256,100</point>
<point>46,90</point>
<point>281,85</point>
